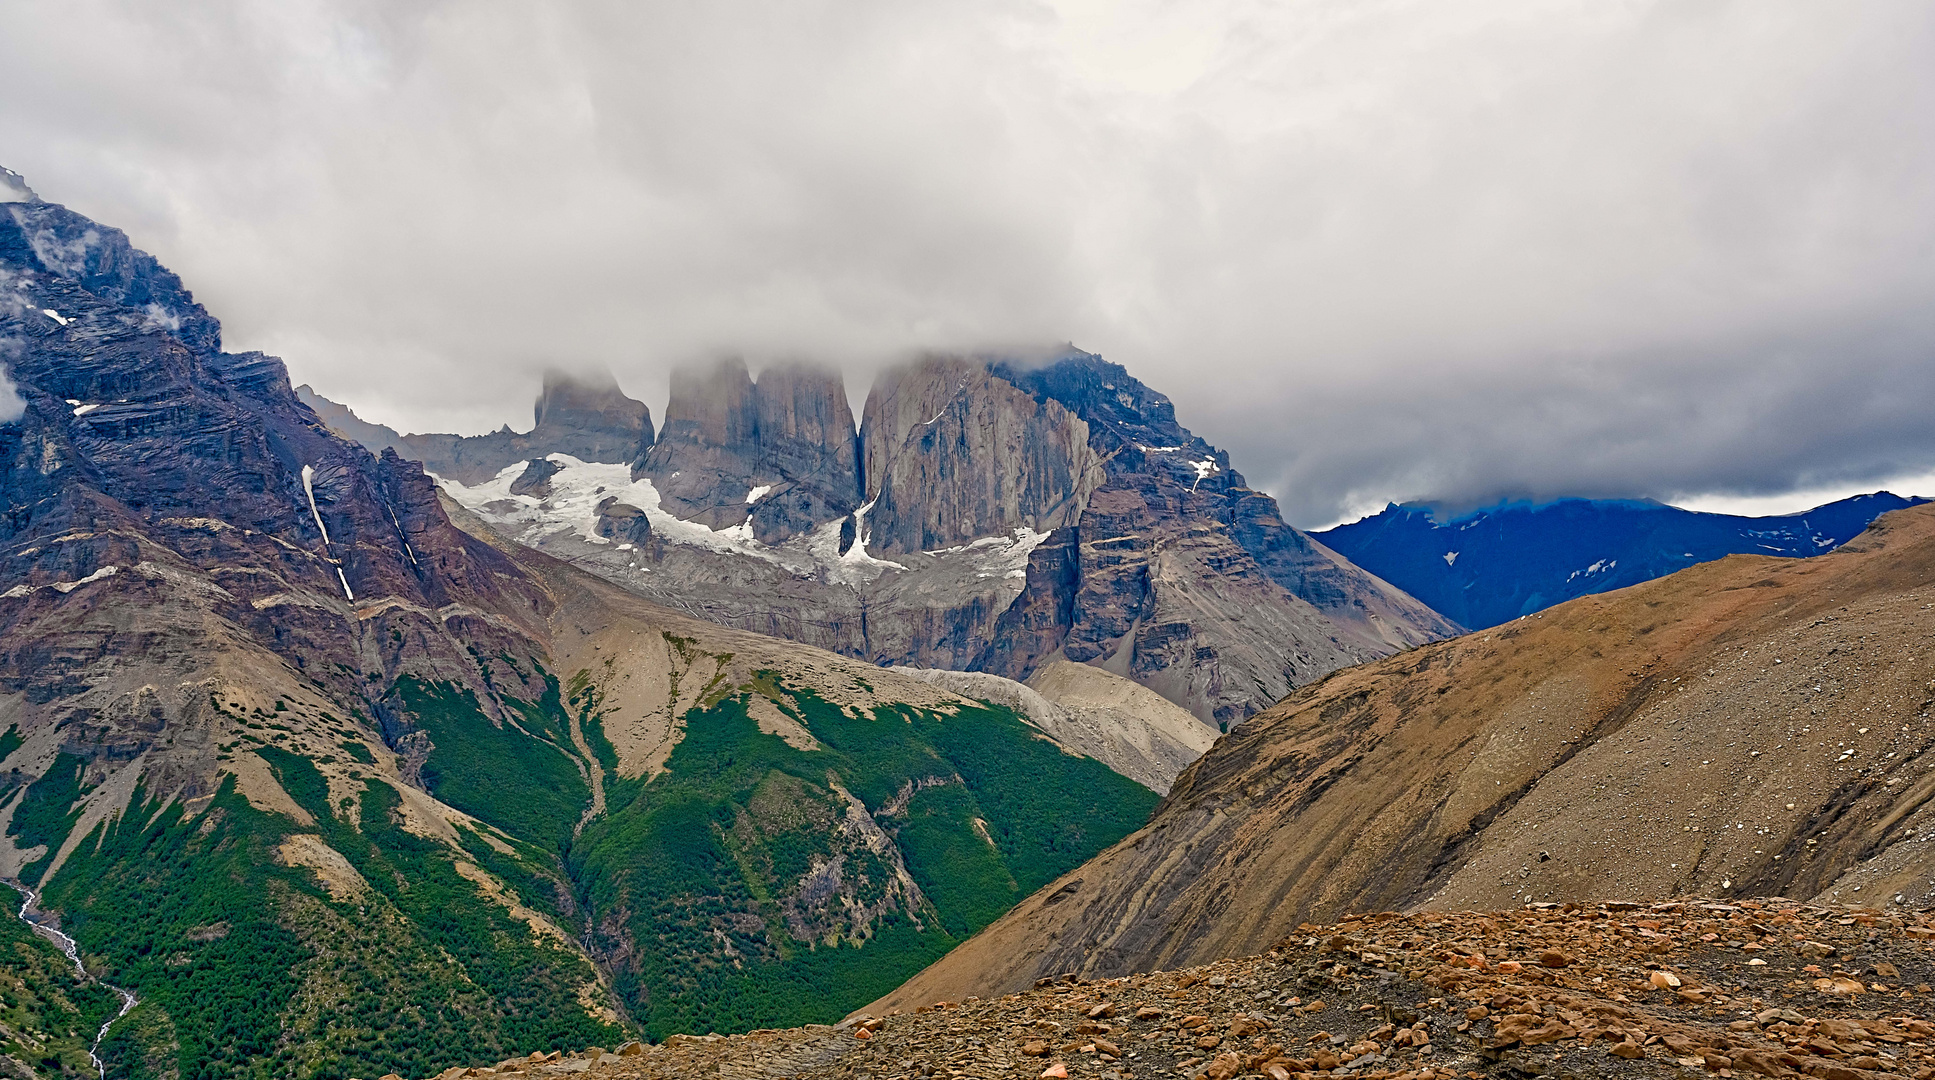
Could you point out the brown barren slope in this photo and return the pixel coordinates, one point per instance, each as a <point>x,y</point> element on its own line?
<point>1747,727</point>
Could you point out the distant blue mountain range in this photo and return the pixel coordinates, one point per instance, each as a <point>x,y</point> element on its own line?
<point>1494,565</point>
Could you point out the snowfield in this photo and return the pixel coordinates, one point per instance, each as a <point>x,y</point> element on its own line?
<point>569,509</point>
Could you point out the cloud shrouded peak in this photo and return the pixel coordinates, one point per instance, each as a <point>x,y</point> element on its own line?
<point>1379,251</point>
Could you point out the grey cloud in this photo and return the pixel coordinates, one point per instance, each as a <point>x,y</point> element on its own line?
<point>1378,251</point>
<point>12,405</point>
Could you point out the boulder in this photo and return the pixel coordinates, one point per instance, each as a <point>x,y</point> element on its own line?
<point>622,522</point>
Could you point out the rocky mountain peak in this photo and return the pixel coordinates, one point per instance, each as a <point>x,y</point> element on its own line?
<point>49,251</point>
<point>1121,408</point>
<point>589,417</point>
<point>779,454</point>
<point>585,416</point>
<point>14,189</point>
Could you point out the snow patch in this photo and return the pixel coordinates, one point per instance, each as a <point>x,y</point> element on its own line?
<point>758,493</point>
<point>83,410</point>
<point>1601,567</point>
<point>156,317</point>
<point>862,536</point>
<point>54,315</point>
<point>1205,469</point>
<point>570,511</point>
<point>309,489</point>
<point>576,490</point>
<point>1026,541</point>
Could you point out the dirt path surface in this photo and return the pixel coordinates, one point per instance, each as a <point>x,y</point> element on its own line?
<point>1764,988</point>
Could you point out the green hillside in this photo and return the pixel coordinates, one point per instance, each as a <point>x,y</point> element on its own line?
<point>750,884</point>
<point>48,1013</point>
<point>703,868</point>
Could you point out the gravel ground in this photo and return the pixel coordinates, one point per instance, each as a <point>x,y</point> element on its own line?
<point>1770,988</point>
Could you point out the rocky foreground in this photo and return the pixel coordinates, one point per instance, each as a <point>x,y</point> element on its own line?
<point>1770,988</point>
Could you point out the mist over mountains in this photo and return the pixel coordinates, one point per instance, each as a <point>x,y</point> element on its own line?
<point>1382,253</point>
<point>679,594</point>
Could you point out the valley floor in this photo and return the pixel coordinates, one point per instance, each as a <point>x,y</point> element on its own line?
<point>1771,988</point>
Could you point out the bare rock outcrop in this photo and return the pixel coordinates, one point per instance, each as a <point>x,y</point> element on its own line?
<point>588,417</point>
<point>954,453</point>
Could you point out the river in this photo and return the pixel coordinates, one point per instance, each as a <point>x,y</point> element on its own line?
<point>72,950</point>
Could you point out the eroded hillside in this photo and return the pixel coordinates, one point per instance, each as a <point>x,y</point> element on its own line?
<point>1748,727</point>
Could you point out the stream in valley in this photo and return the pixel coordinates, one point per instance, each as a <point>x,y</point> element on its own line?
<point>72,950</point>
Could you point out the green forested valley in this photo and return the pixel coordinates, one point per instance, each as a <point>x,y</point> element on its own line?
<point>753,882</point>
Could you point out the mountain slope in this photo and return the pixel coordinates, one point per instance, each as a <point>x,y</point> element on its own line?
<point>339,787</point>
<point>1125,725</point>
<point>1492,566</point>
<point>1751,726</point>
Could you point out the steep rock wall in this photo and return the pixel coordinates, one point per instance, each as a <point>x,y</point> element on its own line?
<point>779,453</point>
<point>955,453</point>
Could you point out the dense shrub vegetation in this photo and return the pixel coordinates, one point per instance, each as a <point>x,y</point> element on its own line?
<point>48,1013</point>
<point>704,877</point>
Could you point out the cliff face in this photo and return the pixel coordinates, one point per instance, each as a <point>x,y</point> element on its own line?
<point>808,452</point>
<point>955,453</point>
<point>1181,576</point>
<point>778,453</point>
<point>588,417</point>
<point>1179,477</point>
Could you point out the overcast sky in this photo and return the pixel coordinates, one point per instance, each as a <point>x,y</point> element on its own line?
<point>1378,249</point>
